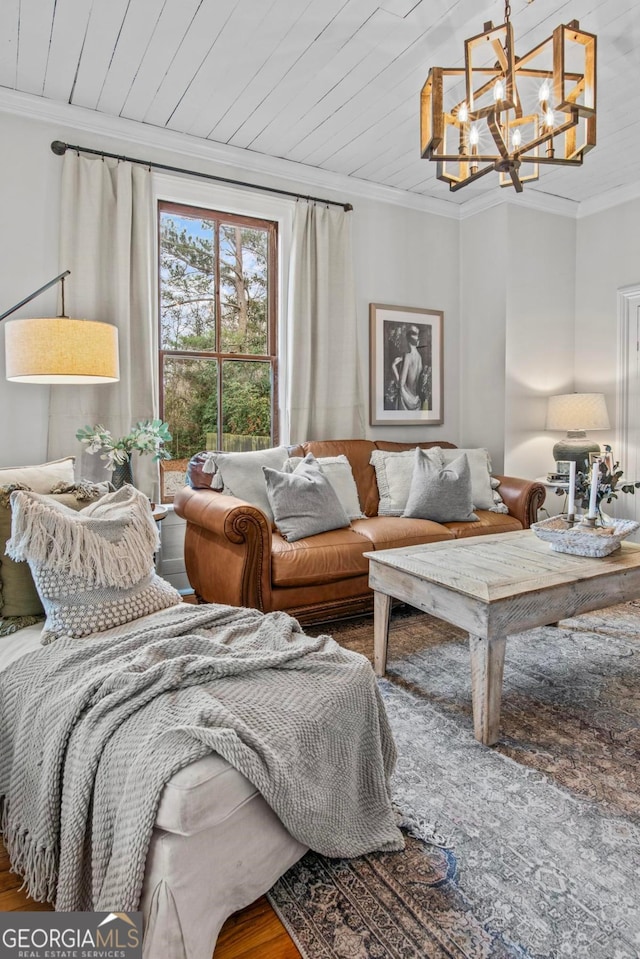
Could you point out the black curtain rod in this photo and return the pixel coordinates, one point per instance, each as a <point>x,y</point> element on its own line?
<point>60,148</point>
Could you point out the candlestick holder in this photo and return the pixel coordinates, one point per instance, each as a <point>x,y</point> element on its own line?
<point>590,522</point>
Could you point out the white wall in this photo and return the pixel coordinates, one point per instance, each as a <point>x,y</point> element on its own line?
<point>483,255</point>
<point>539,347</point>
<point>608,257</point>
<point>410,258</point>
<point>402,257</point>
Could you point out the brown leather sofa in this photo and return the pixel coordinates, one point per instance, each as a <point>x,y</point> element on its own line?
<point>234,556</point>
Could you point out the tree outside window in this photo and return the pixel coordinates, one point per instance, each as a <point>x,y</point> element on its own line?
<point>218,363</point>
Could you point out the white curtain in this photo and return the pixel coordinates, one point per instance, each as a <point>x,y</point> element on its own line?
<point>106,240</point>
<point>325,397</point>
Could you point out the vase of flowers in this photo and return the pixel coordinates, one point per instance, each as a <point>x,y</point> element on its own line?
<point>609,485</point>
<point>146,437</point>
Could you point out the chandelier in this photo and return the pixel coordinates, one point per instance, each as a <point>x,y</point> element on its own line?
<point>509,111</point>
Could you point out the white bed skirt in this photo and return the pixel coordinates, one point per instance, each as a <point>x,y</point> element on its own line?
<point>220,846</point>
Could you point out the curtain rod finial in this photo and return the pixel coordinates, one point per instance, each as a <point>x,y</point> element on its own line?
<point>348,208</point>
<point>59,148</point>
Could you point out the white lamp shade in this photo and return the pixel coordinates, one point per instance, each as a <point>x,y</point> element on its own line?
<point>577,411</point>
<point>61,350</point>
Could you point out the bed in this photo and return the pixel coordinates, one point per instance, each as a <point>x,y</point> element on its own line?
<point>125,684</point>
<point>216,846</point>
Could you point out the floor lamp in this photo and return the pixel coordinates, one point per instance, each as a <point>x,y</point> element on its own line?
<point>60,350</point>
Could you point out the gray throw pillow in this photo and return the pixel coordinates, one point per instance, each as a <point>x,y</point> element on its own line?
<point>303,502</point>
<point>480,468</point>
<point>442,494</point>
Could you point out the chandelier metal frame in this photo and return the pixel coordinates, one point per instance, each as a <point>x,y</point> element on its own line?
<point>559,129</point>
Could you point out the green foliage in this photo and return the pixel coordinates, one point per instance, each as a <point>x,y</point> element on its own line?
<point>188,272</point>
<point>146,437</point>
<point>609,475</point>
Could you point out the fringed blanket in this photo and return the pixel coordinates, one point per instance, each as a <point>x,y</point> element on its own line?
<point>92,730</point>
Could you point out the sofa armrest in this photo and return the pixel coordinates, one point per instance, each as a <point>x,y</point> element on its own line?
<point>227,548</point>
<point>523,498</point>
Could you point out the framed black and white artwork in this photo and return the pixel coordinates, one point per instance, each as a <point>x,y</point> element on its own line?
<point>406,365</point>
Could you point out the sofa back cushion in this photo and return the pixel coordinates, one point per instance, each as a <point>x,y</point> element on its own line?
<point>358,452</point>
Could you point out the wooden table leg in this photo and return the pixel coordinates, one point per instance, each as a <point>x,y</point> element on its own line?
<point>487,668</point>
<point>381,617</point>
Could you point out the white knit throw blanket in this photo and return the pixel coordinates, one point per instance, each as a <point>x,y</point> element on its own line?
<point>92,730</point>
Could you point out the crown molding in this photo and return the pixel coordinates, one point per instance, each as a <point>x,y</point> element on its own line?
<point>530,199</point>
<point>233,159</point>
<point>229,160</point>
<point>611,198</point>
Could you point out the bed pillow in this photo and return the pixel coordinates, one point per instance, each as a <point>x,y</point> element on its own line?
<point>441,493</point>
<point>304,502</point>
<point>93,569</point>
<point>338,471</point>
<point>394,472</point>
<point>240,474</point>
<point>480,467</point>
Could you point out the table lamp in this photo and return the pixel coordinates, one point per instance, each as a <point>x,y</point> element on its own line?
<point>576,413</point>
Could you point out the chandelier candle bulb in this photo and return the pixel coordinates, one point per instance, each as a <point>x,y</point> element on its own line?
<point>593,493</point>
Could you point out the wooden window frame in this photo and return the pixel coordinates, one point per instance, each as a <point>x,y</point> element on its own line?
<point>220,218</point>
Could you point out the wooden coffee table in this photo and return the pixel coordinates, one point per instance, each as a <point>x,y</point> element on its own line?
<point>493,586</point>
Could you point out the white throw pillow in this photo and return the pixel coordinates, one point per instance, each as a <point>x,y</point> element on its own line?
<point>40,479</point>
<point>93,569</point>
<point>240,474</point>
<point>480,466</point>
<point>338,471</point>
<point>394,472</point>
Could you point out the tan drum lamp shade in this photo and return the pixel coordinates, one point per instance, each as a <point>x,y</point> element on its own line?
<point>576,413</point>
<point>60,350</point>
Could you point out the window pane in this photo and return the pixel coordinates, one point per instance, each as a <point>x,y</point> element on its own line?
<point>246,405</point>
<point>190,405</point>
<point>244,254</point>
<point>187,283</point>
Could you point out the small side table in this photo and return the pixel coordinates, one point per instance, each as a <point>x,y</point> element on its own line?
<point>158,512</point>
<point>555,485</point>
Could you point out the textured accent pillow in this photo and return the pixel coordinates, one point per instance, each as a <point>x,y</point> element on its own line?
<point>441,493</point>
<point>240,474</point>
<point>394,472</point>
<point>93,569</point>
<point>41,479</point>
<point>480,466</point>
<point>304,502</point>
<point>338,471</point>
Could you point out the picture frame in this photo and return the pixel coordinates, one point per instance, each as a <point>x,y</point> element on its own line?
<point>563,467</point>
<point>406,381</point>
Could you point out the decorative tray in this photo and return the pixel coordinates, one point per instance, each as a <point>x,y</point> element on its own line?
<point>582,540</point>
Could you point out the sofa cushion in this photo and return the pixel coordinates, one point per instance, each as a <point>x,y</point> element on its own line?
<point>358,452</point>
<point>480,467</point>
<point>304,502</point>
<point>240,474</point>
<point>325,558</point>
<point>338,471</point>
<point>394,472</point>
<point>391,532</point>
<point>487,523</point>
<point>441,493</point>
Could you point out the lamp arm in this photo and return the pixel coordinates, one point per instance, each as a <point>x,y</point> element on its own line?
<point>32,296</point>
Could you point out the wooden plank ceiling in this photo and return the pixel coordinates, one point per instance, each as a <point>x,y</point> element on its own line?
<point>330,83</point>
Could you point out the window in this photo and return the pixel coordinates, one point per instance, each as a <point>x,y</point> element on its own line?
<point>218,362</point>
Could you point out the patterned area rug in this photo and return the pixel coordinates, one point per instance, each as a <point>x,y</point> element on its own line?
<point>541,833</point>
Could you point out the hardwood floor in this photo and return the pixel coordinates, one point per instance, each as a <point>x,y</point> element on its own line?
<point>254,933</point>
